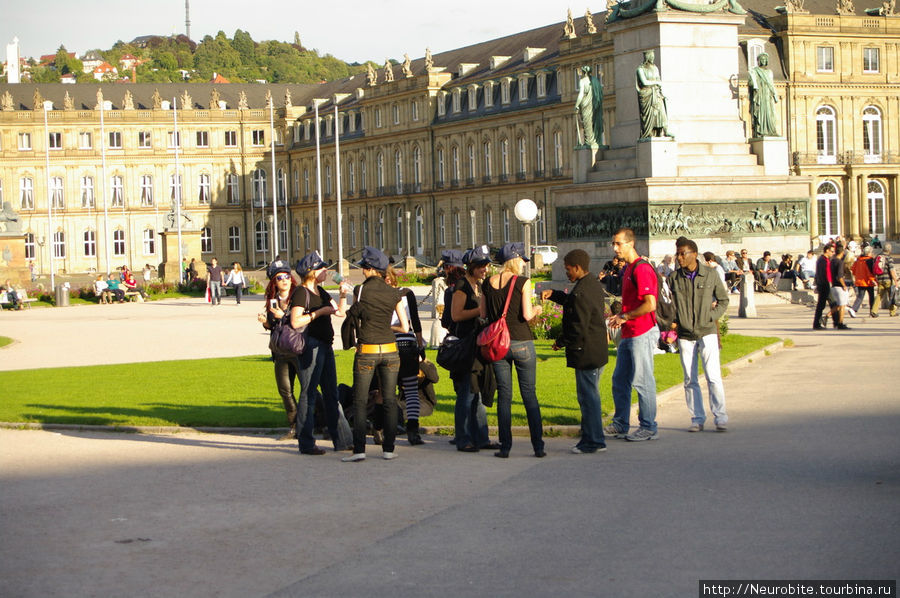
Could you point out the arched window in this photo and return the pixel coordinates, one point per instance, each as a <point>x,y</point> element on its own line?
<point>90,243</point>
<point>282,234</point>
<point>281,186</point>
<point>26,193</point>
<point>442,229</point>
<point>489,225</point>
<point>523,156</point>
<point>365,230</point>
<point>420,230</point>
<point>146,191</point>
<point>454,163</point>
<point>400,239</point>
<point>486,150</point>
<point>329,230</point>
<point>506,225</point>
<point>327,179</point>
<point>826,143</point>
<point>206,245</point>
<point>262,236</point>
<point>119,242</point>
<point>379,230</point>
<point>362,176</point>
<point>557,153</point>
<point>470,164</point>
<point>379,172</point>
<point>877,216</point>
<point>828,209</point>
<point>57,193</point>
<point>204,184</point>
<point>352,228</point>
<point>398,170</point>
<point>872,134</point>
<point>440,166</point>
<point>417,167</point>
<point>59,245</point>
<point>351,177</point>
<point>117,187</point>
<point>504,157</point>
<point>258,187</point>
<point>457,228</point>
<point>87,190</point>
<point>539,154</point>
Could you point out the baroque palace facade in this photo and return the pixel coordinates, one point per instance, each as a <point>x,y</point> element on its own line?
<point>433,153</point>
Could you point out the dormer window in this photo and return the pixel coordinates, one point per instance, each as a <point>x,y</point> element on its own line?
<point>456,100</point>
<point>351,118</point>
<point>473,97</point>
<point>489,94</point>
<point>504,90</point>
<point>441,103</point>
<point>498,61</point>
<point>465,68</point>
<point>542,84</point>
<point>523,87</point>
<point>754,49</point>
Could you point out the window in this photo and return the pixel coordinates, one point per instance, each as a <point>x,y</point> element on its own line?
<point>203,195</point>
<point>414,110</point>
<point>202,138</point>
<point>352,228</point>
<point>541,226</point>
<point>118,191</point>
<point>262,236</point>
<point>395,109</point>
<point>119,242</point>
<point>57,198</point>
<point>379,230</point>
<point>174,139</point>
<point>258,187</point>
<point>230,138</point>
<point>295,187</point>
<point>417,167</point>
<point>281,187</point>
<point>542,85</point>
<point>54,141</point>
<point>539,153</point>
<point>87,192</point>
<point>522,156</point>
<point>470,163</point>
<point>398,170</point>
<point>328,179</point>
<point>441,104</point>
<point>234,239</point>
<point>871,134</point>
<point>504,91</point>
<point>29,246</point>
<point>232,189</point>
<point>473,98</point>
<point>175,188</point>
<point>826,144</point>
<point>871,60</point>
<point>206,240</point>
<point>379,172</point>
<point>365,230</point>
<point>329,233</point>
<point>258,138</point>
<point>351,177</point>
<point>400,239</point>
<point>557,151</point>
<point>115,140</point>
<point>825,59</point>
<point>457,229</point>
<point>305,182</point>
<point>362,176</point>
<point>454,162</point>
<point>377,118</point>
<point>754,49</point>
<point>440,166</point>
<point>877,214</point>
<point>146,190</point>
<point>149,241</point>
<point>489,225</point>
<point>26,193</point>
<point>827,200</point>
<point>504,157</point>
<point>420,230</point>
<point>456,100</point>
<point>442,229</point>
<point>279,137</point>
<point>24,141</point>
<point>85,141</point>
<point>506,226</point>
<point>59,245</point>
<point>90,243</point>
<point>486,150</point>
<point>523,88</point>
<point>306,236</point>
<point>282,234</point>
<point>489,94</point>
<point>144,139</point>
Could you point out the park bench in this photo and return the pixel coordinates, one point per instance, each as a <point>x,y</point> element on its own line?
<point>133,296</point>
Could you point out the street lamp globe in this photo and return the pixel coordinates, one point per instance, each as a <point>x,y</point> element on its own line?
<point>526,210</point>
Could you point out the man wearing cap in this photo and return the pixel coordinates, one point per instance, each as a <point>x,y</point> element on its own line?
<point>374,303</point>
<point>584,338</point>
<point>634,361</point>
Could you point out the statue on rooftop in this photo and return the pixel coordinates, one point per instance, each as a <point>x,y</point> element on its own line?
<point>407,66</point>
<point>763,98</point>
<point>187,102</point>
<point>269,98</point>
<point>242,100</point>
<point>214,98</point>
<point>569,28</point>
<point>371,77</point>
<point>845,7</point>
<point>651,101</point>
<point>156,99</point>
<point>589,109</point>
<point>388,71</point>
<point>288,103</point>
<point>429,60</point>
<point>589,22</point>
<point>100,105</point>
<point>6,102</point>
<point>38,100</point>
<point>68,103</point>
<point>128,100</point>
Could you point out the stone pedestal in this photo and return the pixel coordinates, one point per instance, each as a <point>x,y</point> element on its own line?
<point>584,162</point>
<point>344,267</point>
<point>747,307</point>
<point>772,153</point>
<point>170,269</point>
<point>409,264</point>
<point>13,266</point>
<point>657,157</point>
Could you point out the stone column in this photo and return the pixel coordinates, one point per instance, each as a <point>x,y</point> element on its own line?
<point>851,206</point>
<point>892,205</point>
<point>864,228</point>
<point>814,231</point>
<point>747,307</point>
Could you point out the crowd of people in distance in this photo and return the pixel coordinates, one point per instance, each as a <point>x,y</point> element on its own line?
<point>382,326</point>
<point>113,288</point>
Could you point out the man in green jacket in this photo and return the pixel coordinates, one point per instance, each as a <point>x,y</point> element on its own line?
<point>700,300</point>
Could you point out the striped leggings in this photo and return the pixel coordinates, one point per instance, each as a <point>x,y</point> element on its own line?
<point>409,372</point>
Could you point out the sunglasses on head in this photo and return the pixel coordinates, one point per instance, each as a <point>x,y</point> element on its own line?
<point>282,276</point>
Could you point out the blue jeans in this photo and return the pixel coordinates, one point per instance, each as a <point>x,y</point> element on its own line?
<point>215,291</point>
<point>588,394</point>
<point>634,369</point>
<point>522,354</point>
<point>707,348</point>
<point>469,415</point>
<point>317,369</point>
<point>364,367</point>
<point>238,291</point>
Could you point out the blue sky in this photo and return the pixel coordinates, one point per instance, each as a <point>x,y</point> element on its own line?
<point>354,30</point>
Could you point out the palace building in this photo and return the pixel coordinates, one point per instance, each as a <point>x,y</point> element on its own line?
<point>432,153</point>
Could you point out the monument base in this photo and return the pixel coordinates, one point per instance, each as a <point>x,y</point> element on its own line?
<point>13,266</point>
<point>657,157</point>
<point>585,158</point>
<point>772,154</point>
<point>170,269</point>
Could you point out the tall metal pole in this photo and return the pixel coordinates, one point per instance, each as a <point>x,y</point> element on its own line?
<point>177,183</point>
<point>337,162</point>
<point>49,196</point>
<point>319,182</point>
<point>274,182</point>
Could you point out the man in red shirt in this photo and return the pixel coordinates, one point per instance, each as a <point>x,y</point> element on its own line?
<point>634,361</point>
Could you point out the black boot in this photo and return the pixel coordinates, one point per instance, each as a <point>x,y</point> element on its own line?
<point>412,432</point>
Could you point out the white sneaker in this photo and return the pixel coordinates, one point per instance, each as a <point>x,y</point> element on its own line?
<point>641,435</point>
<point>852,312</point>
<point>387,455</point>
<point>354,458</point>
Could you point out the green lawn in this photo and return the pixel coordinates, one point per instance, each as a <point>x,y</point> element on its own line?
<point>243,394</point>
<point>5,340</point>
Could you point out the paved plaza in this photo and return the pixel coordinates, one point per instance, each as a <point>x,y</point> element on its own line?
<point>805,485</point>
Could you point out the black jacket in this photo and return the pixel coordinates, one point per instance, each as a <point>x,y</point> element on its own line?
<point>583,324</point>
<point>694,313</point>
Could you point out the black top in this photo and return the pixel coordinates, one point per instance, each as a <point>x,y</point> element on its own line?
<point>583,324</point>
<point>415,324</point>
<point>822,266</point>
<point>215,273</point>
<point>376,301</point>
<point>320,328</point>
<point>494,300</point>
<point>463,328</point>
<point>837,271</point>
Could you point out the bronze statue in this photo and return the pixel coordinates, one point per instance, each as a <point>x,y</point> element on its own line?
<point>763,98</point>
<point>651,101</point>
<point>589,109</point>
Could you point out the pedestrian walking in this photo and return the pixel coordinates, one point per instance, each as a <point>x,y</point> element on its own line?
<point>236,281</point>
<point>214,280</point>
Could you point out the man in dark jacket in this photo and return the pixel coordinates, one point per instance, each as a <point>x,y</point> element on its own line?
<point>585,340</point>
<point>700,300</point>
<point>823,285</point>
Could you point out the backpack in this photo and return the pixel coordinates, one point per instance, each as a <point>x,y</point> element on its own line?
<point>879,265</point>
<point>665,306</point>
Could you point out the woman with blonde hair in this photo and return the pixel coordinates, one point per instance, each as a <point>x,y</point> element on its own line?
<point>521,346</point>
<point>236,281</point>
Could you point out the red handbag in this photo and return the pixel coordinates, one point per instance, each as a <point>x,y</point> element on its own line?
<point>494,339</point>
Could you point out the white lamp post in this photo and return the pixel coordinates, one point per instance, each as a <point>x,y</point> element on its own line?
<point>526,211</point>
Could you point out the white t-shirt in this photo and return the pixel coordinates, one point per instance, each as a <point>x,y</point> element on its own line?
<point>808,264</point>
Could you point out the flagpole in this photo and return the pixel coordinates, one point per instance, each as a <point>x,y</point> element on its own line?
<point>103,189</point>
<point>49,197</point>
<point>274,181</point>
<point>319,181</point>
<point>177,181</point>
<point>337,163</point>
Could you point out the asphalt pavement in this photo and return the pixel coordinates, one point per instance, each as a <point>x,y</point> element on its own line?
<point>804,485</point>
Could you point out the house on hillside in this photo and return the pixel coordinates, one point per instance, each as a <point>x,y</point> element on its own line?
<point>104,71</point>
<point>91,60</point>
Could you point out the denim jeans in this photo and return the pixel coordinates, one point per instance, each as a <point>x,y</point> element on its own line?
<point>588,395</point>
<point>523,356</point>
<point>634,369</point>
<point>285,370</point>
<point>707,348</point>
<point>215,291</point>
<point>317,369</point>
<point>860,294</point>
<point>469,415</point>
<point>238,291</point>
<point>364,367</point>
